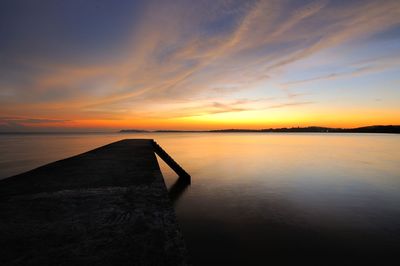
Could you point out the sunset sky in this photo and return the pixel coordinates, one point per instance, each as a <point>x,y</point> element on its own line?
<point>109,65</point>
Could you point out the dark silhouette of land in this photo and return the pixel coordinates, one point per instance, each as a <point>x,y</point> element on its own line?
<point>392,129</point>
<point>134,130</point>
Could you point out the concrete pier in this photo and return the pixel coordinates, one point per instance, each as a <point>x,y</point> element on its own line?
<point>108,206</point>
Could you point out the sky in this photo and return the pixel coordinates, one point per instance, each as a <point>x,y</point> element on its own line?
<point>107,65</point>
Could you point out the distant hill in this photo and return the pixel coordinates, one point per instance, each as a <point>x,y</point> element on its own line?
<point>132,131</point>
<point>376,129</point>
<point>368,129</point>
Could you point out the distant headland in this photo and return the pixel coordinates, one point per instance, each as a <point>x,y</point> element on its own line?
<point>393,129</point>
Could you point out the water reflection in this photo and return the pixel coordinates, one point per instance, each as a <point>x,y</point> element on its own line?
<point>261,198</point>
<point>177,189</point>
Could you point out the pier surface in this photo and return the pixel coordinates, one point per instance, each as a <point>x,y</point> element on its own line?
<point>108,206</point>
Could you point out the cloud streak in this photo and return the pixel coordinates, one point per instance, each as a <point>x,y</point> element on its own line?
<point>187,52</point>
<point>359,69</point>
<point>290,104</point>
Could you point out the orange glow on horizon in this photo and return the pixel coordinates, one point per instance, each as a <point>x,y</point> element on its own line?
<point>317,63</point>
<point>219,121</point>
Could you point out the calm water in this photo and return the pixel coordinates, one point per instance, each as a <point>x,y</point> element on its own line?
<point>257,198</point>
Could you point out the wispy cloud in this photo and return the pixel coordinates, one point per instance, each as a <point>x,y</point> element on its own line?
<point>358,69</point>
<point>30,120</point>
<point>22,123</point>
<point>290,104</point>
<point>182,51</point>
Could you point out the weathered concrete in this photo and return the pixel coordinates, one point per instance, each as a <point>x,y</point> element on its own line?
<point>108,206</point>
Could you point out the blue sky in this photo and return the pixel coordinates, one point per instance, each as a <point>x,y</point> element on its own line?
<point>96,65</point>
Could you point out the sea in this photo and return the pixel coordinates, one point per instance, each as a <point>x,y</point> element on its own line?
<point>261,198</point>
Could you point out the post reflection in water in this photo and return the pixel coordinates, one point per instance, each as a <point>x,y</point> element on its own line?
<point>176,191</point>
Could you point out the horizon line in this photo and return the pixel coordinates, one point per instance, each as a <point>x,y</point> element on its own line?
<point>133,130</point>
